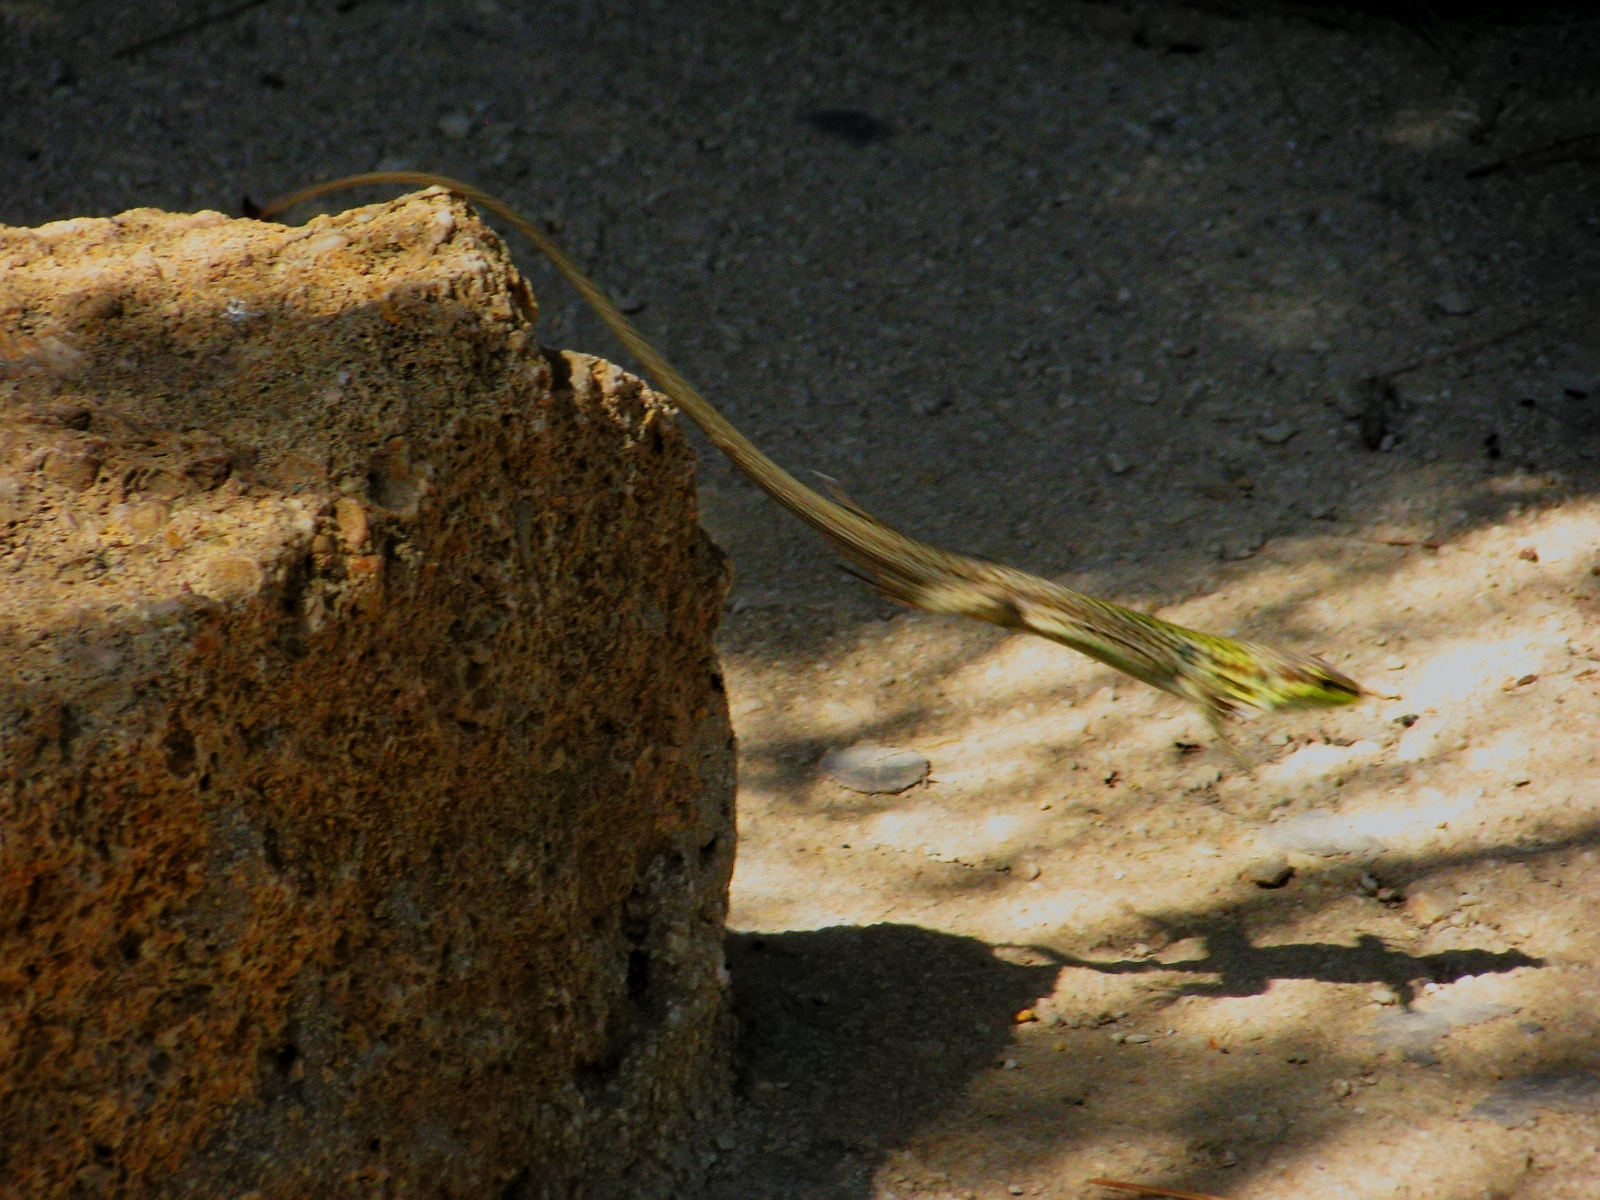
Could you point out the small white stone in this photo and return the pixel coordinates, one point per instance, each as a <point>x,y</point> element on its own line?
<point>875,770</point>
<point>455,125</point>
<point>1277,435</point>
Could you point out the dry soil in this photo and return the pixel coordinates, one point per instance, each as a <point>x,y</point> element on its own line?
<point>1091,289</point>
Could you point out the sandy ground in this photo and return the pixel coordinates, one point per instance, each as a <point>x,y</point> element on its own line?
<point>1093,296</point>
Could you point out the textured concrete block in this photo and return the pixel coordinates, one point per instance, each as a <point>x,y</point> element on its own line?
<point>365,775</point>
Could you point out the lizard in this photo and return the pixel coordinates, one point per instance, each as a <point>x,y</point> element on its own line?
<point>1219,675</point>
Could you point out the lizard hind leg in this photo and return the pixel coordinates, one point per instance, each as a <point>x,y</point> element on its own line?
<point>1216,712</point>
<point>1215,719</point>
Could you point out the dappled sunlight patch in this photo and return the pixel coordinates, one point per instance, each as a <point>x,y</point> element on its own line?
<point>1317,761</point>
<point>1472,669</point>
<point>1431,810</point>
<point>1430,125</point>
<point>1284,320</point>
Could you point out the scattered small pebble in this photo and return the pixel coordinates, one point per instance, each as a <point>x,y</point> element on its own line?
<point>873,769</point>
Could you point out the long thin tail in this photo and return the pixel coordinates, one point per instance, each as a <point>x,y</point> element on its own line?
<point>1216,673</point>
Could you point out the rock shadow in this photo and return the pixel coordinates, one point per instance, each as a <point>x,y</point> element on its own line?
<point>850,1040</point>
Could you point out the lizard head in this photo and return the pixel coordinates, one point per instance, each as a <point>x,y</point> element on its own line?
<point>1235,674</point>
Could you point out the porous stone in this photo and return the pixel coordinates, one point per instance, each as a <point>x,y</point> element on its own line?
<point>365,773</point>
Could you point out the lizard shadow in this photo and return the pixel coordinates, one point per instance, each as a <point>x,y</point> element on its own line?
<point>1243,968</point>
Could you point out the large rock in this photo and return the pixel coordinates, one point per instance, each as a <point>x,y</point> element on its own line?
<point>365,774</point>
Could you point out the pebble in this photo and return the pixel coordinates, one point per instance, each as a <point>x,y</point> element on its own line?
<point>1341,1087</point>
<point>1430,903</point>
<point>725,1141</point>
<point>1383,994</point>
<point>873,769</point>
<point>1011,1064</point>
<point>1277,435</point>
<point>1014,1190</point>
<point>1394,663</point>
<point>1269,871</point>
<point>455,125</point>
<point>1118,465</point>
<point>1455,304</point>
<point>1136,1039</point>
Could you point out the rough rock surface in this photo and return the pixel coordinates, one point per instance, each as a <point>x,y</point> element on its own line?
<point>365,773</point>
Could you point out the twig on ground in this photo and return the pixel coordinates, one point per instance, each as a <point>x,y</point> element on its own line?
<point>1465,348</point>
<point>1381,407</point>
<point>182,31</point>
<point>1145,1189</point>
<point>1583,148</point>
<point>1425,543</point>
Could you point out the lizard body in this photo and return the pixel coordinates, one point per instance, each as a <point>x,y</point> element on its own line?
<point>1217,674</point>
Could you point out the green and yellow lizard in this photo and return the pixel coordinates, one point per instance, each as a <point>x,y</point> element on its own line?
<point>1217,674</point>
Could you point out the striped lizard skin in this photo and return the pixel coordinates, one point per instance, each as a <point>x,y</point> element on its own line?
<point>1219,675</point>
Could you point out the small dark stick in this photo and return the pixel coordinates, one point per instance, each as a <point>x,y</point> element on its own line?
<point>1146,1190</point>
